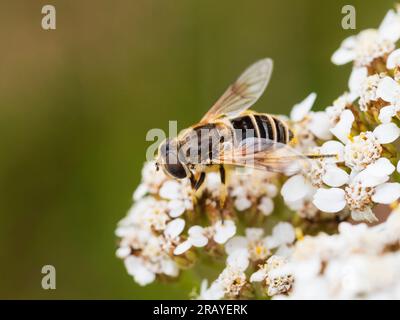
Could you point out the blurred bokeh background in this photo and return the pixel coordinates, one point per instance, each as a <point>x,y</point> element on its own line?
<point>76,103</point>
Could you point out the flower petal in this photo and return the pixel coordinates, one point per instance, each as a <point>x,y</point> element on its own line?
<point>182,247</point>
<point>333,147</point>
<point>242,203</point>
<point>295,188</point>
<point>176,208</point>
<point>370,178</point>
<point>386,193</point>
<point>197,237</point>
<point>238,259</point>
<point>329,200</point>
<point>389,28</point>
<point>300,110</point>
<point>393,59</point>
<point>382,166</point>
<point>266,206</point>
<point>283,233</point>
<point>140,192</point>
<point>174,228</point>
<point>343,56</point>
<point>320,125</point>
<point>258,276</point>
<point>357,76</point>
<point>224,231</point>
<point>335,177</point>
<point>388,89</point>
<point>236,243</point>
<point>386,133</point>
<point>343,127</point>
<point>387,113</point>
<point>141,274</point>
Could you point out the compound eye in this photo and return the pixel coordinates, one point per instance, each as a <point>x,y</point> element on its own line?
<point>176,170</point>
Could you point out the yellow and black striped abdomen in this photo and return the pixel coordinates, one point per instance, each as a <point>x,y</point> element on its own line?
<point>264,126</point>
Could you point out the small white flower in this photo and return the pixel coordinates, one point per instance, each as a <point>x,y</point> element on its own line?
<point>324,169</point>
<point>228,284</point>
<point>365,188</point>
<point>309,125</point>
<point>362,150</point>
<point>141,274</point>
<point>232,280</point>
<point>151,181</point>
<point>177,192</point>
<point>196,237</point>
<point>252,246</point>
<point>339,105</point>
<point>365,149</point>
<point>266,206</point>
<point>369,44</point>
<point>249,187</point>
<point>299,189</point>
<point>277,278</point>
<point>242,203</point>
<point>148,213</point>
<point>369,91</point>
<point>214,292</point>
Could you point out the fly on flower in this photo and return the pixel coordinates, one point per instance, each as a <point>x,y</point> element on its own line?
<point>229,135</point>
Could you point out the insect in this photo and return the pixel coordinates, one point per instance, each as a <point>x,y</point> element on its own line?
<point>229,135</point>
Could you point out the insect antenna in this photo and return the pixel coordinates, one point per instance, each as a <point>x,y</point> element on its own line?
<point>319,156</point>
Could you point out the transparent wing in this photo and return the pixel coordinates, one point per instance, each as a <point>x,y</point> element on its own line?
<point>264,154</point>
<point>243,93</point>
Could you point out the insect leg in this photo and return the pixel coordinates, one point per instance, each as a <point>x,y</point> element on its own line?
<point>223,190</point>
<point>192,180</point>
<point>200,181</point>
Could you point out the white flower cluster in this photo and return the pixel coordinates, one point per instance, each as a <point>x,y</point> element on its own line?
<point>355,166</point>
<point>363,124</point>
<point>163,224</point>
<point>252,251</point>
<point>150,229</point>
<point>360,262</point>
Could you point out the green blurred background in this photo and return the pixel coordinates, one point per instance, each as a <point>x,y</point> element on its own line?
<point>76,103</point>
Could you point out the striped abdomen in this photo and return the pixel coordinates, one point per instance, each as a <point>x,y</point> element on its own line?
<point>203,143</point>
<point>263,125</point>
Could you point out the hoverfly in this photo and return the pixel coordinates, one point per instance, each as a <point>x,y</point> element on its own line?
<point>229,135</point>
